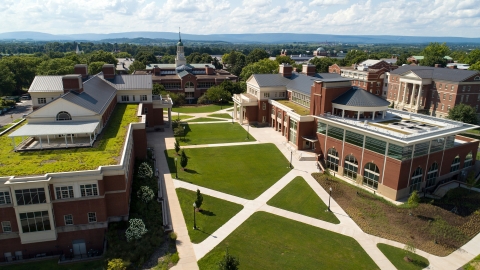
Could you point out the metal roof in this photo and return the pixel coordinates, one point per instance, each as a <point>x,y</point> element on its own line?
<point>183,73</point>
<point>46,84</point>
<point>447,74</point>
<point>266,80</point>
<point>55,128</point>
<point>358,97</point>
<point>130,82</point>
<point>173,66</point>
<point>95,96</point>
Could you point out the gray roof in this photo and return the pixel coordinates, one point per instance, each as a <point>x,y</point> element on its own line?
<point>447,74</point>
<point>183,73</point>
<point>46,84</point>
<point>95,96</point>
<point>173,66</point>
<point>130,82</point>
<point>54,128</point>
<point>297,82</point>
<point>358,97</point>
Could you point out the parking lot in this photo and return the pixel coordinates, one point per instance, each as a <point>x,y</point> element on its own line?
<point>23,107</point>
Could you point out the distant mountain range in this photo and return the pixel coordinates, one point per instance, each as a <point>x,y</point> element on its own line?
<point>239,38</point>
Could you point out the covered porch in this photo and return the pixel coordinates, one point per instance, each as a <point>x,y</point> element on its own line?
<point>54,135</point>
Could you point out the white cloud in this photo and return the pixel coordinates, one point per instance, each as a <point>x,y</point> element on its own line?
<point>328,2</point>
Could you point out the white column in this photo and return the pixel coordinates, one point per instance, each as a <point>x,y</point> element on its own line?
<point>418,96</point>
<point>169,117</point>
<point>358,116</point>
<point>404,92</point>
<point>343,113</point>
<point>241,114</point>
<point>234,111</point>
<point>412,95</point>
<point>373,116</point>
<point>41,147</point>
<point>48,139</point>
<point>383,114</point>
<point>66,143</point>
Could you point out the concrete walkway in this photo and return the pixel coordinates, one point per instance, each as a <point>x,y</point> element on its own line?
<point>190,253</point>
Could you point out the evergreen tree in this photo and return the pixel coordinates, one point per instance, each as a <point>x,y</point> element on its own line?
<point>199,200</point>
<point>183,160</point>
<point>228,262</point>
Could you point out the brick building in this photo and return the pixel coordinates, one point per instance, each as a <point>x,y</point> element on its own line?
<point>192,80</point>
<point>69,211</point>
<point>433,90</point>
<point>353,132</point>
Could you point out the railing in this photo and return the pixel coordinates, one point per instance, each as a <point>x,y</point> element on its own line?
<point>164,100</point>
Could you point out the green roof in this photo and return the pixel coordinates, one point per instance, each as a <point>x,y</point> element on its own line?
<point>107,150</point>
<point>298,109</point>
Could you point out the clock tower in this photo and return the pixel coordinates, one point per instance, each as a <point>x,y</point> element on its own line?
<point>180,58</point>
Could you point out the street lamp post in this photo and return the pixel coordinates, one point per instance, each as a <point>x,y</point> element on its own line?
<point>248,131</point>
<point>291,157</point>
<point>178,115</point>
<point>221,105</point>
<point>329,200</point>
<point>194,220</point>
<point>176,170</point>
<point>183,133</point>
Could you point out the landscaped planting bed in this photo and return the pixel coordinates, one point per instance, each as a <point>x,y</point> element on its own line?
<point>245,171</point>
<point>106,150</point>
<point>266,241</point>
<point>430,228</point>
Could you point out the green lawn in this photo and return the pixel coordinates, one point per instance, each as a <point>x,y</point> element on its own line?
<point>396,255</point>
<point>53,264</point>
<point>266,241</point>
<point>215,212</point>
<point>245,171</point>
<point>204,119</point>
<point>300,198</point>
<point>106,150</point>
<point>220,115</point>
<point>214,133</point>
<point>201,108</point>
<point>181,117</point>
<point>473,264</point>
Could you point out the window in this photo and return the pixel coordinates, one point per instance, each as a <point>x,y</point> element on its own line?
<point>133,97</point>
<point>432,175</point>
<point>468,160</point>
<point>143,97</point>
<point>443,107</point>
<point>416,180</point>
<point>448,108</point>
<point>63,116</point>
<point>293,132</point>
<point>461,98</point>
<point>30,196</point>
<point>478,97</point>
<point>264,106</point>
<point>92,217</point>
<point>351,167</point>
<point>371,174</point>
<point>466,98</point>
<point>68,219</point>
<point>453,87</point>
<point>5,197</point>
<point>6,226</point>
<point>444,95</point>
<point>437,145</point>
<point>455,164</point>
<point>273,111</point>
<point>477,78</point>
<point>145,110</point>
<point>266,94</point>
<point>206,84</point>
<point>42,100</point>
<point>421,149</point>
<point>89,190</point>
<point>446,86</point>
<point>321,127</point>
<point>375,145</point>
<point>450,97</point>
<point>64,192</point>
<point>332,159</point>
<point>172,86</point>
<point>354,138</point>
<point>463,88</point>
<point>439,86</point>
<point>189,85</point>
<point>335,132</point>
<point>35,221</point>
<point>125,98</point>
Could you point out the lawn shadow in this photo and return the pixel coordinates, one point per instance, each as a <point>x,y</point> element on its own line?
<point>191,171</point>
<point>207,213</point>
<point>420,263</point>
<point>198,229</point>
<point>340,214</point>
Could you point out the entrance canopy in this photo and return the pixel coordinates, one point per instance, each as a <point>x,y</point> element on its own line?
<point>55,128</point>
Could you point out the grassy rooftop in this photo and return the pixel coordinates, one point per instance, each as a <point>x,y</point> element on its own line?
<point>106,150</point>
<point>298,109</point>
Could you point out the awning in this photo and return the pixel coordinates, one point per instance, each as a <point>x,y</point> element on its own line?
<point>310,138</point>
<point>55,128</point>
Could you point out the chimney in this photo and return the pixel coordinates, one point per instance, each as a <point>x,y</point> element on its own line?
<point>286,70</point>
<point>157,71</point>
<point>308,69</point>
<point>108,71</point>
<point>72,82</point>
<point>82,70</point>
<point>209,70</point>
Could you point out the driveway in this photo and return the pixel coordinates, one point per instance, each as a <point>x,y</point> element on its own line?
<point>23,107</point>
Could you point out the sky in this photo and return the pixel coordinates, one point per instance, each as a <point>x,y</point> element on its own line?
<point>460,18</point>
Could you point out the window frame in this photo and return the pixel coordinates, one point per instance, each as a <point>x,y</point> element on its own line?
<point>93,191</point>
<point>6,224</point>
<point>92,217</point>
<point>42,100</point>
<point>70,190</point>
<point>6,197</point>
<point>68,217</point>
<point>371,182</point>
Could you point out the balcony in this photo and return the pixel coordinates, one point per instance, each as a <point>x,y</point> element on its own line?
<point>162,102</point>
<point>245,99</point>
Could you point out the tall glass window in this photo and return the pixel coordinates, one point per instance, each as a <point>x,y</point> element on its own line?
<point>371,175</point>
<point>321,128</point>
<point>455,164</point>
<point>30,196</point>
<point>437,145</point>
<point>35,221</point>
<point>450,142</point>
<point>5,197</point>
<point>375,145</point>
<point>432,175</point>
<point>421,149</point>
<point>332,159</point>
<point>335,132</point>
<point>416,180</point>
<point>350,168</point>
<point>468,160</point>
<point>293,132</point>
<point>354,138</point>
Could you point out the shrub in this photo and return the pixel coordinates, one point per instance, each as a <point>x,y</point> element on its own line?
<point>175,258</point>
<point>177,146</point>
<point>117,264</point>
<point>173,236</point>
<point>145,194</point>
<point>136,229</point>
<point>228,262</point>
<point>203,100</point>
<point>145,170</point>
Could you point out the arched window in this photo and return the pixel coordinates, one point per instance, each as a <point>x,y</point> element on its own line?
<point>468,160</point>
<point>371,174</point>
<point>350,168</point>
<point>189,85</point>
<point>416,180</point>
<point>455,164</point>
<point>332,159</point>
<point>62,116</point>
<point>432,174</point>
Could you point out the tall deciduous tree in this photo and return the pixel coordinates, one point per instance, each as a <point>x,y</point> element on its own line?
<point>95,67</point>
<point>355,57</point>
<point>103,56</point>
<point>281,59</point>
<point>136,65</point>
<point>464,113</point>
<point>434,53</point>
<point>23,68</point>
<point>264,66</point>
<point>216,94</point>
<point>146,58</point>
<point>158,89</point>
<point>56,66</point>
<point>234,62</point>
<point>7,80</point>
<point>256,55</point>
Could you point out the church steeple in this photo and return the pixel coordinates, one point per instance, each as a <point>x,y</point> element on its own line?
<point>180,58</point>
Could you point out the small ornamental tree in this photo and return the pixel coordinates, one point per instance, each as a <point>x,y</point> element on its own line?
<point>145,170</point>
<point>136,229</point>
<point>177,146</point>
<point>145,194</point>
<point>413,201</point>
<point>228,262</point>
<point>183,160</point>
<point>199,200</point>
<point>409,250</point>
<point>117,264</point>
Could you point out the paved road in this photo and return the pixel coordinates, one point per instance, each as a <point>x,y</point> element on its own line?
<point>25,107</point>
